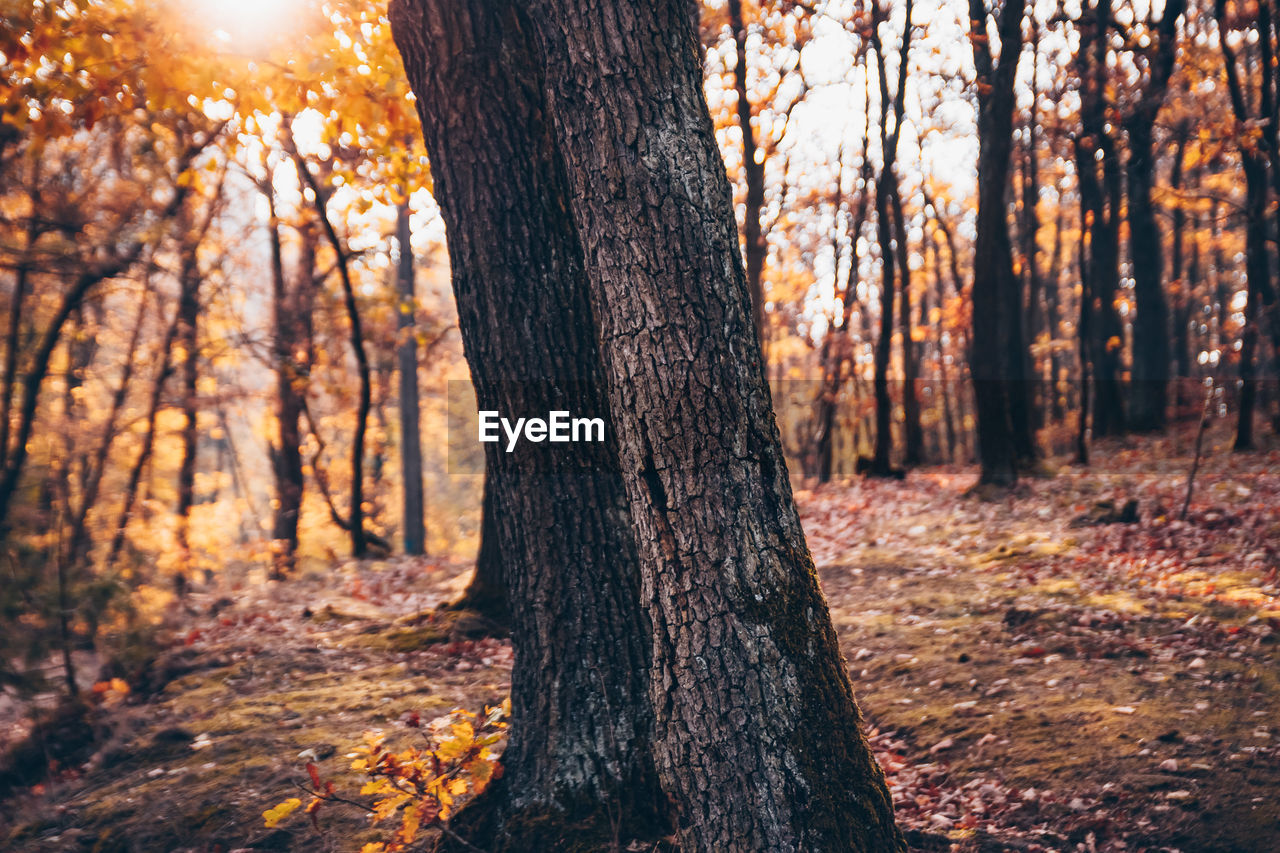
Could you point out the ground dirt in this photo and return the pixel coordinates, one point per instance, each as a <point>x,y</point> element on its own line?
<point>1029,683</point>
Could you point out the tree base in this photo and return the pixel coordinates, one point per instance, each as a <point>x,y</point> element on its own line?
<point>491,823</point>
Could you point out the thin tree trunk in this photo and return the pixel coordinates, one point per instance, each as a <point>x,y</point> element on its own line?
<point>1257,259</point>
<point>486,593</point>
<point>288,318</point>
<point>134,481</point>
<point>320,202</point>
<point>997,303</point>
<point>188,341</point>
<point>415,534</point>
<point>886,193</point>
<point>913,450</point>
<point>753,173</point>
<point>77,290</point>
<point>1179,281</point>
<point>1030,230</point>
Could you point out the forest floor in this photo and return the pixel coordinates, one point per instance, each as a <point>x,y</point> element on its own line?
<point>1029,682</point>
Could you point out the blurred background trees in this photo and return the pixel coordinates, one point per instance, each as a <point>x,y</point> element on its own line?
<point>223,284</point>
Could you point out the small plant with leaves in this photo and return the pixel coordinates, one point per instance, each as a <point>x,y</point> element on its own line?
<point>423,786</point>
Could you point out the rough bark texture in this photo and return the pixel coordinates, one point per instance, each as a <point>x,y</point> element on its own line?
<point>997,302</point>
<point>577,768</point>
<point>414,531</point>
<point>757,739</point>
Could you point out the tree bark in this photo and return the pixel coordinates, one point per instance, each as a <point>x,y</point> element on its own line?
<point>892,266</point>
<point>188,341</point>
<point>291,345</point>
<point>1180,276</point>
<point>913,432</point>
<point>415,533</point>
<point>757,739</point>
<point>578,767</point>
<point>486,593</point>
<point>1095,152</point>
<point>1149,399</point>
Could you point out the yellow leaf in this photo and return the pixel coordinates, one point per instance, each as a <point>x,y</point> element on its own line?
<point>282,811</point>
<point>409,827</point>
<point>384,809</point>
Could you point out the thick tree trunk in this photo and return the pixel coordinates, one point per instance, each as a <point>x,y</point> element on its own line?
<point>578,769</point>
<point>415,533</point>
<point>757,737</point>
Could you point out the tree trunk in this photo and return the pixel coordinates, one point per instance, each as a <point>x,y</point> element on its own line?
<point>1257,258</point>
<point>913,438</point>
<point>134,482</point>
<point>887,206</point>
<point>1095,151</point>
<point>1149,399</point>
<point>486,593</point>
<point>757,738</point>
<point>320,203</point>
<point>997,303</point>
<point>286,452</point>
<point>578,767</point>
<point>753,173</point>
<point>1180,281</point>
<point>1030,233</point>
<point>415,533</point>
<point>881,464</point>
<point>1257,268</point>
<point>188,342</point>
